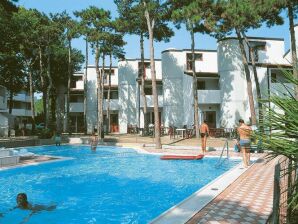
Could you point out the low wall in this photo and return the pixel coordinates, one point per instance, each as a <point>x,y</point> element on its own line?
<point>16,142</point>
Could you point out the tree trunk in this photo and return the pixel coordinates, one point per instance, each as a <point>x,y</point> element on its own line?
<point>194,82</point>
<point>97,55</point>
<point>32,101</point>
<point>102,98</point>
<point>150,25</point>
<point>109,95</point>
<point>143,81</point>
<point>254,68</point>
<point>293,45</point>
<point>42,80</point>
<point>49,89</point>
<point>99,94</point>
<point>85,88</point>
<point>248,79</point>
<point>60,107</point>
<point>53,107</point>
<point>67,117</point>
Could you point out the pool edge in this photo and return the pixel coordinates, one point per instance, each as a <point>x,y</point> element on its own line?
<point>186,209</point>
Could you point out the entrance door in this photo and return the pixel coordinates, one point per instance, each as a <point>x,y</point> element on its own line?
<point>114,123</point>
<point>210,116</point>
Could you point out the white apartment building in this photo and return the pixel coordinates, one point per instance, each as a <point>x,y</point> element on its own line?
<point>77,100</point>
<point>131,104</point>
<point>3,112</point>
<point>21,111</point>
<point>221,86</point>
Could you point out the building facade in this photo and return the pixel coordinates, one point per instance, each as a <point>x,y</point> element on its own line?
<point>221,86</point>
<point>20,116</point>
<point>3,112</point>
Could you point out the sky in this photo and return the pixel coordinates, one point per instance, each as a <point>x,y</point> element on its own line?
<point>181,40</point>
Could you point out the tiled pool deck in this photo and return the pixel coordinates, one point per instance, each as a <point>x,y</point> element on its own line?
<point>248,200</point>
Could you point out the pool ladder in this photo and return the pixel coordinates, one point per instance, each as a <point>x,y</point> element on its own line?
<point>224,148</point>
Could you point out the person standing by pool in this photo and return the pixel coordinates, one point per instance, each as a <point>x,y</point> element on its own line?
<point>204,130</point>
<point>93,141</point>
<point>58,139</point>
<point>244,132</point>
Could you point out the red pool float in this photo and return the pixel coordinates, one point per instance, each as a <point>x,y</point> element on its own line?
<point>182,157</point>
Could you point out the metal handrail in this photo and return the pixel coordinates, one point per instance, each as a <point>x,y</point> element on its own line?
<point>225,146</point>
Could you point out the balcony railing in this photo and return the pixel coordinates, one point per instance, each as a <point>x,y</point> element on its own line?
<point>114,104</point>
<point>76,107</point>
<point>149,100</point>
<point>21,112</point>
<point>22,98</point>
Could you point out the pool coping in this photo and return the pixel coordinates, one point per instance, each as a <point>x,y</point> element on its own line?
<point>54,160</point>
<point>186,209</point>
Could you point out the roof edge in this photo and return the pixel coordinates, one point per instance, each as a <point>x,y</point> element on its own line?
<point>253,38</point>
<point>182,50</point>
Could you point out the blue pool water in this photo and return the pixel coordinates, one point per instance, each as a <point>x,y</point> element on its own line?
<point>111,185</point>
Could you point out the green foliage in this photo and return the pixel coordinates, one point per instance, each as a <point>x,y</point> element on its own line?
<point>133,19</point>
<point>193,13</point>
<point>281,122</point>
<point>45,134</point>
<point>281,119</point>
<point>97,23</point>
<point>39,106</point>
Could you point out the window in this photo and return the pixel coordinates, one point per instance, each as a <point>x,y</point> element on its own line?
<point>201,85</point>
<point>148,90</point>
<point>113,94</point>
<point>256,47</point>
<point>76,98</point>
<point>198,57</point>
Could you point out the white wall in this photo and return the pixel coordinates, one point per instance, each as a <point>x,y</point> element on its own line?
<point>173,86</point>
<point>274,51</point>
<point>3,98</point>
<point>232,84</point>
<point>128,97</point>
<point>91,91</point>
<point>3,125</point>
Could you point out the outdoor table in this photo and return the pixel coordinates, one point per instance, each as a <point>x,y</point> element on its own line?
<point>182,131</point>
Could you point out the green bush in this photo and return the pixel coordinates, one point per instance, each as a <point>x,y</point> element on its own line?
<point>45,133</point>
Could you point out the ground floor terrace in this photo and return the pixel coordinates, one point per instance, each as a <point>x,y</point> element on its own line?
<point>248,199</point>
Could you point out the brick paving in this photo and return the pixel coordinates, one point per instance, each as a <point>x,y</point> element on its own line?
<point>247,201</point>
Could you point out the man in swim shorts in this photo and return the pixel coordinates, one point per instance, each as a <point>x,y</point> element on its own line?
<point>204,130</point>
<point>93,142</point>
<point>244,133</point>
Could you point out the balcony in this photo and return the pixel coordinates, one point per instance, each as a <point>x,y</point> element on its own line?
<point>114,104</point>
<point>21,112</point>
<point>78,85</point>
<point>209,96</point>
<point>281,90</point>
<point>76,107</point>
<point>149,100</point>
<point>22,97</point>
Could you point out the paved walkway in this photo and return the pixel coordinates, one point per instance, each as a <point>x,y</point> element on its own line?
<point>248,200</point>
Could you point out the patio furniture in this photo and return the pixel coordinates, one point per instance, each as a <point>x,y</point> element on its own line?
<point>23,153</point>
<point>182,132</point>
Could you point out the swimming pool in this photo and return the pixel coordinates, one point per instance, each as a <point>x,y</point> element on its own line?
<point>111,185</point>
